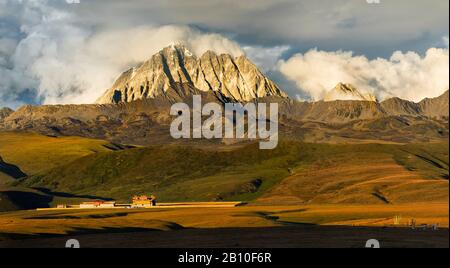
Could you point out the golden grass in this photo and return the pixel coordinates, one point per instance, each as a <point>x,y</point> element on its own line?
<point>65,222</point>
<point>364,179</point>
<point>35,153</point>
<point>370,215</point>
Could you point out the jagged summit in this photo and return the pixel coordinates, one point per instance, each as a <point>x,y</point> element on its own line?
<point>348,92</point>
<point>234,79</point>
<point>179,47</point>
<point>436,107</point>
<point>5,112</point>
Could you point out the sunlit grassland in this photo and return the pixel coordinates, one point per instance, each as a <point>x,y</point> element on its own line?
<point>97,221</point>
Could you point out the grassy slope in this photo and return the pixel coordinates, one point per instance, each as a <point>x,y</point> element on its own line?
<point>430,160</point>
<point>5,179</point>
<point>176,173</point>
<point>358,178</point>
<point>35,153</point>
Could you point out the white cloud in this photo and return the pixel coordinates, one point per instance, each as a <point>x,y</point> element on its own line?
<point>445,41</point>
<point>7,46</point>
<point>405,75</point>
<point>67,62</point>
<point>76,67</point>
<point>265,58</point>
<point>347,24</point>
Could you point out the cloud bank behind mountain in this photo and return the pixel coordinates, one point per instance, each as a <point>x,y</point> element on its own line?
<point>406,75</point>
<point>53,52</point>
<point>64,61</point>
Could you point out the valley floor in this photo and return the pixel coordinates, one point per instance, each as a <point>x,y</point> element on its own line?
<point>247,226</point>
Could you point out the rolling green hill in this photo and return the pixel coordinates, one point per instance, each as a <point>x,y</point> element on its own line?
<point>34,153</point>
<point>23,154</point>
<point>180,173</point>
<point>71,169</point>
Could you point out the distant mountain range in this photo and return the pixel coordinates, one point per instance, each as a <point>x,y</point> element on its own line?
<point>147,121</point>
<point>135,110</point>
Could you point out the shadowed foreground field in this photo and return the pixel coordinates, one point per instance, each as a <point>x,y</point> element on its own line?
<point>269,237</point>
<point>248,226</point>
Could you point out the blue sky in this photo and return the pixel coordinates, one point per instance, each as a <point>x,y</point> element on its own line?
<point>55,52</point>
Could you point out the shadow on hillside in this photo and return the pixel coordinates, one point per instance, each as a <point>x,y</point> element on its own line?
<point>11,170</point>
<point>118,147</point>
<point>27,200</point>
<point>67,195</point>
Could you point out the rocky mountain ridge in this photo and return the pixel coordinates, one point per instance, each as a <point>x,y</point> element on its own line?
<point>5,112</point>
<point>230,79</point>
